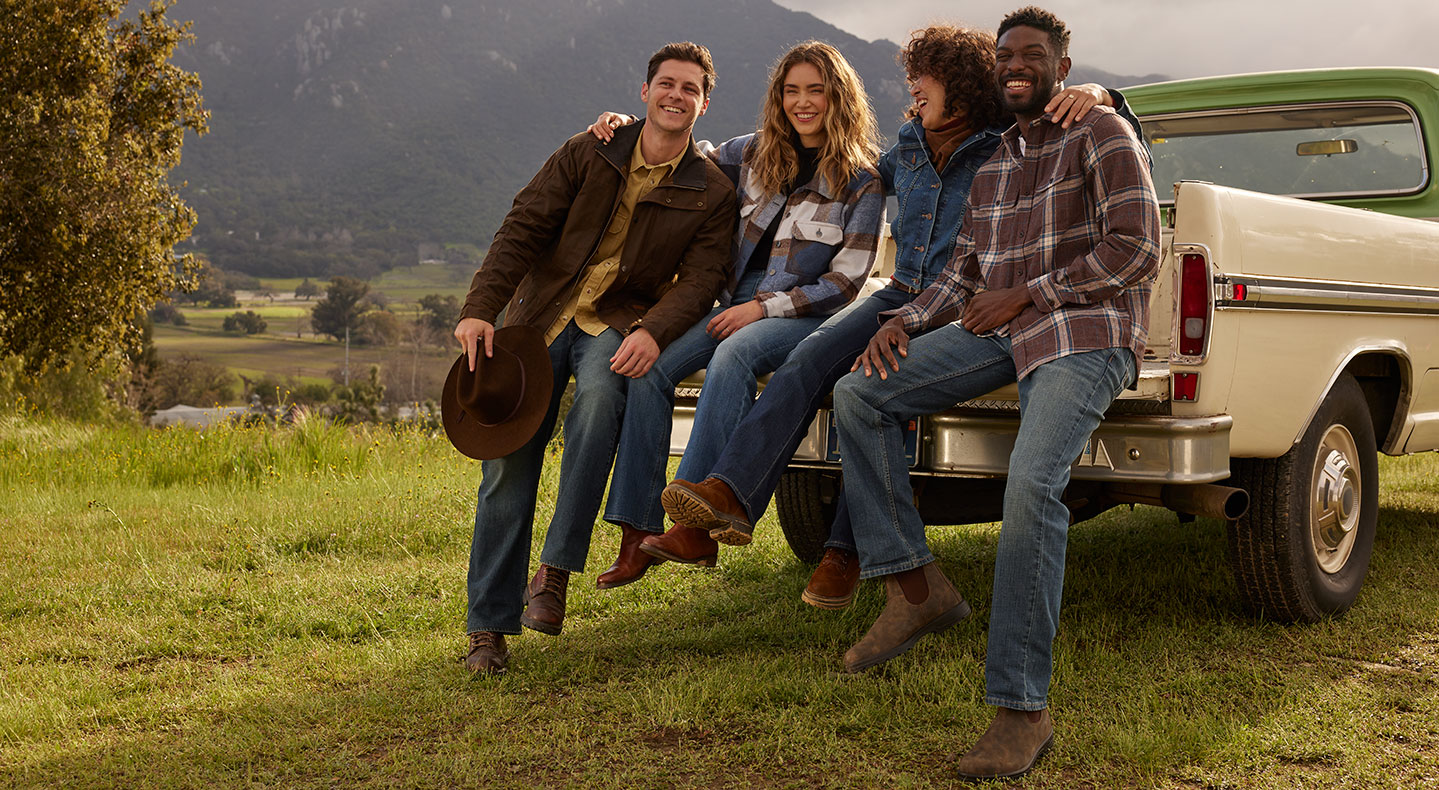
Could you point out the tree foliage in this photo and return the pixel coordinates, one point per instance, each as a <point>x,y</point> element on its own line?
<point>307,289</point>
<point>339,313</point>
<point>92,118</point>
<point>439,312</point>
<point>248,322</point>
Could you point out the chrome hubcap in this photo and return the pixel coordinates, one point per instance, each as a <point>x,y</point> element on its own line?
<point>1334,506</point>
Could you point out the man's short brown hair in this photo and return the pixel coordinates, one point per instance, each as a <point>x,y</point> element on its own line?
<point>689,52</point>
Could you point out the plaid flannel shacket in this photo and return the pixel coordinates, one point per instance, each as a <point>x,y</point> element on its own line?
<point>826,242</point>
<point>1073,217</point>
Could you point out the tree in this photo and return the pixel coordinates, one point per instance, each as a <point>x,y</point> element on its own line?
<point>248,322</point>
<point>306,289</point>
<point>339,313</point>
<point>440,313</point>
<point>92,119</point>
<point>378,328</point>
<point>190,380</point>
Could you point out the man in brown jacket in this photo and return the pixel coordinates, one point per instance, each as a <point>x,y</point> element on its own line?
<point>612,251</point>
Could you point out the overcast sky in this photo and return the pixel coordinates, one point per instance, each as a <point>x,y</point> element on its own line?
<point>1186,39</point>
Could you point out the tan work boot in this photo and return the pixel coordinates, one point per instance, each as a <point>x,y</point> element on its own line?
<point>488,655</point>
<point>1010,747</point>
<point>711,505</point>
<point>903,622</point>
<point>832,584</point>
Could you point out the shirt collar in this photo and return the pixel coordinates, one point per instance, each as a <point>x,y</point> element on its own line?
<point>637,161</point>
<point>1043,125</point>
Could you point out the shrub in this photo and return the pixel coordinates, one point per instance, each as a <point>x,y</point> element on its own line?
<point>378,329</point>
<point>248,322</point>
<point>166,313</point>
<point>65,387</point>
<point>190,380</point>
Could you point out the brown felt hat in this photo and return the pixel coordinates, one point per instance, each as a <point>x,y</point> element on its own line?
<point>492,411</point>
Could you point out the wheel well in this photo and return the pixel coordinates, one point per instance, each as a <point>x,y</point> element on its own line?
<point>1382,378</point>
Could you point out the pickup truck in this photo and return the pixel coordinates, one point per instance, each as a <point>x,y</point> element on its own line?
<point>1294,334</point>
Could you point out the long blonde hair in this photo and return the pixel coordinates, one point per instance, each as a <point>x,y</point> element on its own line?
<point>851,134</point>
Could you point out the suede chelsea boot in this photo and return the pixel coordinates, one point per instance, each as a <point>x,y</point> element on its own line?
<point>904,621</point>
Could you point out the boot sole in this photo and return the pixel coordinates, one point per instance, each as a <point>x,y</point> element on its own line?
<point>686,508</point>
<point>826,601</point>
<point>707,561</point>
<point>1040,752</point>
<point>599,585</point>
<point>949,618</point>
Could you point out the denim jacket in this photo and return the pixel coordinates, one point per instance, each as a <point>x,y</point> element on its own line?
<point>825,245</point>
<point>931,205</point>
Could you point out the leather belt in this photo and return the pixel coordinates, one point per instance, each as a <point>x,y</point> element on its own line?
<point>899,286</point>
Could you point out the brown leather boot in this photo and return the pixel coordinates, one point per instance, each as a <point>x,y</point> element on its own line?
<point>1010,747</point>
<point>631,564</point>
<point>902,623</point>
<point>545,601</point>
<point>488,655</point>
<point>709,504</point>
<point>683,544</point>
<point>832,584</point>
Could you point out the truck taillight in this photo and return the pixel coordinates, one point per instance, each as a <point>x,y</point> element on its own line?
<point>1195,305</point>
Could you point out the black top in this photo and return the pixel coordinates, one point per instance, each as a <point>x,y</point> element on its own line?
<point>808,164</point>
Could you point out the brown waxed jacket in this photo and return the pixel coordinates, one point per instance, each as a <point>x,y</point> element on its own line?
<point>676,258</point>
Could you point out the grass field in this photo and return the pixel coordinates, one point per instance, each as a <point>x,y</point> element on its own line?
<point>287,349</point>
<point>306,359</point>
<point>285,608</point>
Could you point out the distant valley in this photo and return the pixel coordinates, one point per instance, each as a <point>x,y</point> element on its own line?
<point>348,139</point>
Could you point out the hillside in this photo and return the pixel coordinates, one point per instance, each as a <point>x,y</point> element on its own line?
<point>351,138</point>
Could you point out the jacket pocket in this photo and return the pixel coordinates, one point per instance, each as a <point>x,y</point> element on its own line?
<point>822,232</point>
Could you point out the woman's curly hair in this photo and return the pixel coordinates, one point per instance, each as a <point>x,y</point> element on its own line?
<point>962,60</point>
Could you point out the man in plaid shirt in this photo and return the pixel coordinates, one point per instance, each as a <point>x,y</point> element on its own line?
<point>1049,286</point>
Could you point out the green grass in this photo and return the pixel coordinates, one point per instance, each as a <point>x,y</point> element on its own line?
<point>288,349</point>
<point>307,358</point>
<point>407,284</point>
<point>259,607</point>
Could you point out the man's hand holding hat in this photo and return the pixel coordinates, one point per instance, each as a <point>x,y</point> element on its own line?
<point>469,332</point>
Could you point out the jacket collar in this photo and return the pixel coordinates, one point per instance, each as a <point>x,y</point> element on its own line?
<point>689,173</point>
<point>911,133</point>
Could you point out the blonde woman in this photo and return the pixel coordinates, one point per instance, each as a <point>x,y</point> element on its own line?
<point>811,207</point>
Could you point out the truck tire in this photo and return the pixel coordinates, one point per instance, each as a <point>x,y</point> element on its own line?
<point>806,502</point>
<point>1302,550</point>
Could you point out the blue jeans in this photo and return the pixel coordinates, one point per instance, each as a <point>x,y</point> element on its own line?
<point>505,512</point>
<point>1061,404</point>
<point>732,367</point>
<point>760,447</point>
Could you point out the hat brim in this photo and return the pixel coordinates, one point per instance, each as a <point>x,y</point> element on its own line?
<point>487,442</point>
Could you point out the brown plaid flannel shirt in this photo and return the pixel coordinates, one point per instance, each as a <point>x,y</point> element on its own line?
<point>1074,217</point>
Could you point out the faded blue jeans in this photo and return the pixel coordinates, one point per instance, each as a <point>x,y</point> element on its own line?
<point>760,447</point>
<point>732,369</point>
<point>505,512</point>
<point>1060,402</point>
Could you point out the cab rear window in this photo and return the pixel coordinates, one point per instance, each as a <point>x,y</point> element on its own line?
<point>1360,149</point>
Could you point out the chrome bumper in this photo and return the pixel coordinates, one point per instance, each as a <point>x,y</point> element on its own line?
<point>1148,448</point>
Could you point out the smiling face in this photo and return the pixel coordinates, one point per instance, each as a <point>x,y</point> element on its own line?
<point>805,103</point>
<point>674,98</point>
<point>928,94</point>
<point>1027,71</point>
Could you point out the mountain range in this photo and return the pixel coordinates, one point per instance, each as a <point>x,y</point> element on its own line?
<point>347,139</point>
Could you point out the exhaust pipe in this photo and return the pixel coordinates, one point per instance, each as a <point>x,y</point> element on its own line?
<point>1201,499</point>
